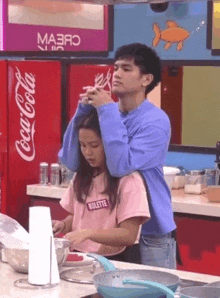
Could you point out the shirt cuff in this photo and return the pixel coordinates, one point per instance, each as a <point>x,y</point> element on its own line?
<point>111,106</point>
<point>85,108</point>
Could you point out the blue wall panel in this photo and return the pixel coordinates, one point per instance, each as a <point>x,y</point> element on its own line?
<point>190,161</point>
<point>133,23</point>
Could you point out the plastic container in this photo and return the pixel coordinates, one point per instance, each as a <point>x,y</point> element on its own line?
<point>195,182</point>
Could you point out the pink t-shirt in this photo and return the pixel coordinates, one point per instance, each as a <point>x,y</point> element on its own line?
<point>95,213</point>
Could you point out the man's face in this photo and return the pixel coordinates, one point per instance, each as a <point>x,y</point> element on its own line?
<point>127,78</point>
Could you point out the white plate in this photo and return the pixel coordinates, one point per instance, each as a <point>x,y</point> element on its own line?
<point>86,260</point>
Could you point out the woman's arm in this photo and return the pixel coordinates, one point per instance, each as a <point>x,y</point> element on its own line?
<point>68,155</point>
<point>124,235</point>
<point>62,226</point>
<point>68,224</point>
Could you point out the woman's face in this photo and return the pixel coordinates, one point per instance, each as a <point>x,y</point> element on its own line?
<point>92,148</point>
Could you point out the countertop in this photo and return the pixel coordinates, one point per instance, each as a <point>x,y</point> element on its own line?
<point>182,202</point>
<point>68,289</point>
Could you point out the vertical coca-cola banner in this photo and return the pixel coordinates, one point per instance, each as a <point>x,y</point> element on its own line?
<point>34,127</point>
<point>80,76</point>
<point>24,97</point>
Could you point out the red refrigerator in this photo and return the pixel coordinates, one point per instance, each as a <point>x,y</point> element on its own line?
<point>30,129</point>
<point>79,76</point>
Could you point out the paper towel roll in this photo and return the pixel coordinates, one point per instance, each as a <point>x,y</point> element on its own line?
<point>43,267</point>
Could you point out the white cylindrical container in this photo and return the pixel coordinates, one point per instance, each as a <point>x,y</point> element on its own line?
<point>55,174</point>
<point>43,173</point>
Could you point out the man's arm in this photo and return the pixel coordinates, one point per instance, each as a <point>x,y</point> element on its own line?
<point>127,152</point>
<point>144,149</point>
<point>68,155</point>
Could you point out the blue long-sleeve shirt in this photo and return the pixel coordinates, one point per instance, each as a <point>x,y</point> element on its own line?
<point>136,140</point>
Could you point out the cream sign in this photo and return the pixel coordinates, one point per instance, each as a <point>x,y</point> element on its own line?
<point>52,42</point>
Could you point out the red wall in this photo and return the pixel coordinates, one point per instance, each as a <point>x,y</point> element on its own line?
<point>199,243</point>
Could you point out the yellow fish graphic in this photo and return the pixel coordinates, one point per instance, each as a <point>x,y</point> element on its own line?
<point>172,34</point>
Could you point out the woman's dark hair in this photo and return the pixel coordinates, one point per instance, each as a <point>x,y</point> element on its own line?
<point>84,175</point>
<point>145,58</point>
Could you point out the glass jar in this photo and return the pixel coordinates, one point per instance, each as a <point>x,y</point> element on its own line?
<point>66,176</point>
<point>210,176</point>
<point>195,182</point>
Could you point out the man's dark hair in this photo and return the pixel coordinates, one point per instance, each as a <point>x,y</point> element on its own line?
<point>145,58</point>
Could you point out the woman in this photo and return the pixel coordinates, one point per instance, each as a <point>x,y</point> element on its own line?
<point>106,213</point>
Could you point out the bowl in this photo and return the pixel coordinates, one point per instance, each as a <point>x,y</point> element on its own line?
<point>18,258</point>
<point>170,174</point>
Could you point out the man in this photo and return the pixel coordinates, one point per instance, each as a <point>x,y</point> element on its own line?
<point>136,136</point>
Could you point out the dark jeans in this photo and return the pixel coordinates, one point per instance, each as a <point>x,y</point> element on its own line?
<point>131,254</point>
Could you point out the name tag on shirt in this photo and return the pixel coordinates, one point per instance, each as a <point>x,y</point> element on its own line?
<point>98,205</point>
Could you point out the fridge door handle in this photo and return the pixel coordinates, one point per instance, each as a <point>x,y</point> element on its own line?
<point>1,164</point>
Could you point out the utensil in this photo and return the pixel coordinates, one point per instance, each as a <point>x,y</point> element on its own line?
<point>200,292</point>
<point>133,283</point>
<point>18,258</point>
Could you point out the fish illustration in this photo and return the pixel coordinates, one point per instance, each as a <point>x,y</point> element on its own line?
<point>172,34</point>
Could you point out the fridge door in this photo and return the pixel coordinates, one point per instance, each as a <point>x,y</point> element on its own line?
<point>34,120</point>
<point>3,106</point>
<point>3,135</point>
<point>86,75</point>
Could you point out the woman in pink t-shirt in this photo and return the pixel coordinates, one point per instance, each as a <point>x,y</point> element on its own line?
<point>106,213</point>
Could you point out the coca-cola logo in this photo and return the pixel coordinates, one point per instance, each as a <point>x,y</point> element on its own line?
<point>103,81</point>
<point>24,97</point>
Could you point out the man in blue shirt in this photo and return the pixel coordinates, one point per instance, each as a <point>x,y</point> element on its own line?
<point>136,135</point>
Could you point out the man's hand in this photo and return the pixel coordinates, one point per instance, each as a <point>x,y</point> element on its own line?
<point>77,237</point>
<point>96,96</point>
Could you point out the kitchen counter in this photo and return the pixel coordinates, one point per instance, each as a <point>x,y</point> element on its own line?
<point>182,202</point>
<point>67,289</point>
<point>196,219</point>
